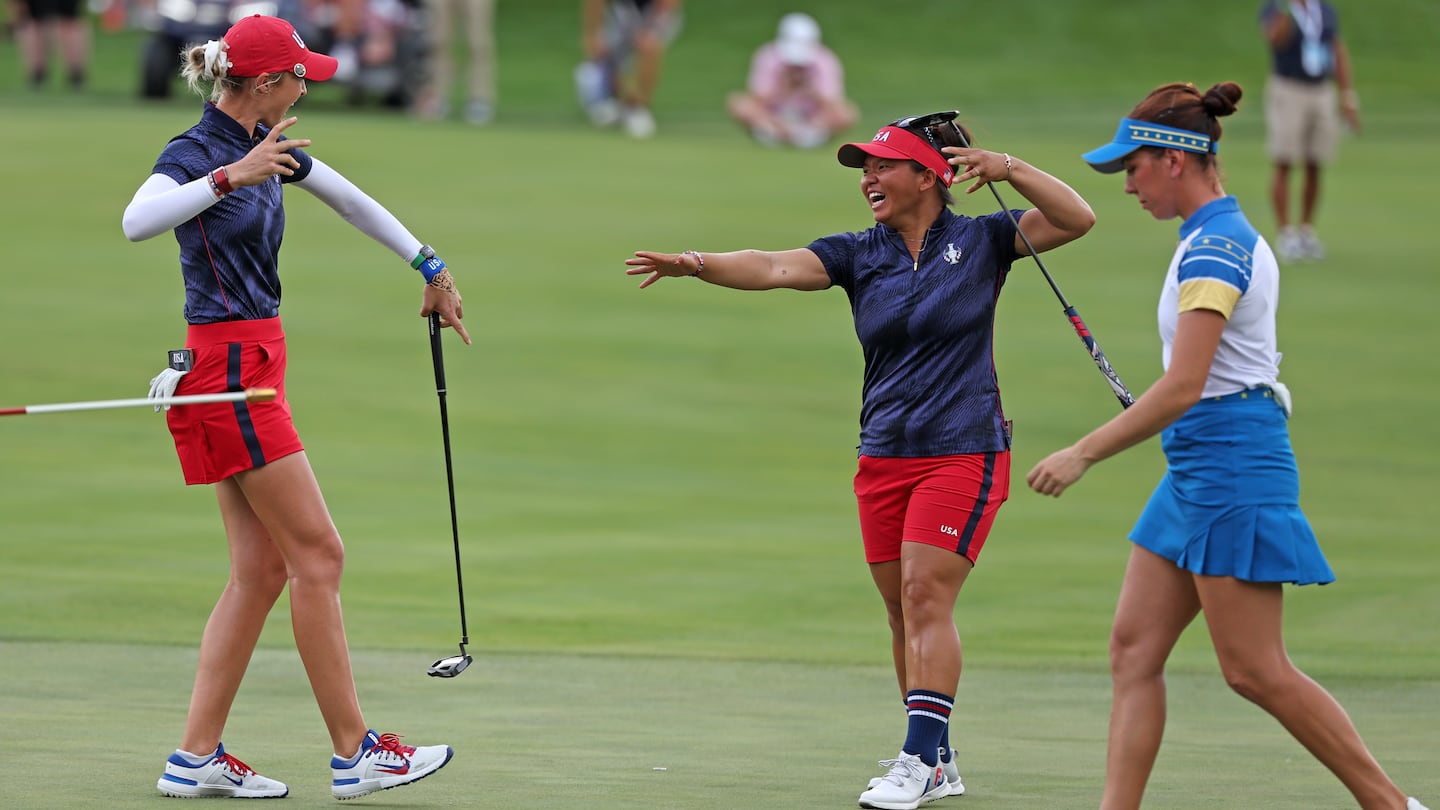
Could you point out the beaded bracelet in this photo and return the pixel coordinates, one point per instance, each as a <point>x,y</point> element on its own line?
<point>699,262</point>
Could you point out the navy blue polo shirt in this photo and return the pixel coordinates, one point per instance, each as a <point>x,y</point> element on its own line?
<point>1286,61</point>
<point>927,333</point>
<point>229,253</point>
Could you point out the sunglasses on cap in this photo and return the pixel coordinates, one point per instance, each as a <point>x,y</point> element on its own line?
<point>921,124</point>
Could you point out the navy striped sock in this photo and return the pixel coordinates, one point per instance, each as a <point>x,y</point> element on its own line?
<point>929,714</point>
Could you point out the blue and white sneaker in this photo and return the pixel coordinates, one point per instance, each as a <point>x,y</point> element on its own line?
<point>909,784</point>
<point>216,776</point>
<point>383,763</point>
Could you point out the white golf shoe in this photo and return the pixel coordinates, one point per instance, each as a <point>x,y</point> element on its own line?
<point>220,776</point>
<point>1414,804</point>
<point>909,784</point>
<point>952,775</point>
<point>383,763</point>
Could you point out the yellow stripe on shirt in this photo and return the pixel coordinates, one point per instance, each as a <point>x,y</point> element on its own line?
<point>1208,293</point>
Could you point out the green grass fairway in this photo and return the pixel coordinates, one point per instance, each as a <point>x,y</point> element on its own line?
<point>575,732</point>
<point>661,561</point>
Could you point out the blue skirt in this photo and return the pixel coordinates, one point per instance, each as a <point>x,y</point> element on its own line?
<point>1229,504</point>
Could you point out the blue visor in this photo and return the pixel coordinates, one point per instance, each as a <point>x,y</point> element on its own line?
<point>1132,135</point>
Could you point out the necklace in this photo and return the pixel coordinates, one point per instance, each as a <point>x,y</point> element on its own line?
<point>920,248</point>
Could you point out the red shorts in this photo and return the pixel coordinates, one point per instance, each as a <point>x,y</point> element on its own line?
<point>946,501</point>
<point>218,439</point>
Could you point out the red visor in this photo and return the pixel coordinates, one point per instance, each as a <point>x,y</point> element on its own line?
<point>898,144</point>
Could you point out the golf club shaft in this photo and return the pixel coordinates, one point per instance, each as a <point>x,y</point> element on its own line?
<point>248,395</point>
<point>1091,345</point>
<point>437,354</point>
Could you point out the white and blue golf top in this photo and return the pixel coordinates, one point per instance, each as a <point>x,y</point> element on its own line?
<point>1223,264</point>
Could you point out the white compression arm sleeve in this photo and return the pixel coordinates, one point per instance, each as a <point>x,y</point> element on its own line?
<point>161,204</point>
<point>359,209</point>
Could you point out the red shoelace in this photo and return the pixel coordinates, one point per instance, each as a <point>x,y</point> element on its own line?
<point>235,765</point>
<point>391,743</point>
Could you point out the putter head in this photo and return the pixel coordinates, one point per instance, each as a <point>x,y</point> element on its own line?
<point>449,667</point>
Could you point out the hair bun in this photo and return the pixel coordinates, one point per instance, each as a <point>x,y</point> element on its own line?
<point>1221,99</point>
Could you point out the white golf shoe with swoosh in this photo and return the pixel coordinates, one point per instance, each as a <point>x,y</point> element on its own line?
<point>217,776</point>
<point>383,763</point>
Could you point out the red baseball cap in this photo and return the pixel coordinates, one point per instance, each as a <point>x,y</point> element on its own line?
<point>898,144</point>
<point>260,44</point>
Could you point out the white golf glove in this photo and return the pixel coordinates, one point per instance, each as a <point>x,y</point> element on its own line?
<point>162,386</point>
<point>1282,396</point>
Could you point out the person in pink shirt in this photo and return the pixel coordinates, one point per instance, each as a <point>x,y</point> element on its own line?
<point>795,93</point>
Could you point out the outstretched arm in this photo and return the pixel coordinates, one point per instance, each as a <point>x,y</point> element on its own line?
<point>798,269</point>
<point>374,220</point>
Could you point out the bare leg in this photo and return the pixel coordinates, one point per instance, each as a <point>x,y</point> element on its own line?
<point>74,39</point>
<point>257,576</point>
<point>931,578</point>
<point>887,581</point>
<point>287,500</point>
<point>649,55</point>
<point>1280,194</point>
<point>1245,626</point>
<point>1310,193</point>
<point>30,36</point>
<point>1157,602</point>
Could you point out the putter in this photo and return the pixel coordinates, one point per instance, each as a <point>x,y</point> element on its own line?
<point>923,124</point>
<point>455,664</point>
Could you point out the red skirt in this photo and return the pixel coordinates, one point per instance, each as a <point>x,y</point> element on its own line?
<point>218,439</point>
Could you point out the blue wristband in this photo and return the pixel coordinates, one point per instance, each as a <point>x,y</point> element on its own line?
<point>431,267</point>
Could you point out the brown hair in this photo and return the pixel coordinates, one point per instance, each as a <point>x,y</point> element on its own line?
<point>1181,105</point>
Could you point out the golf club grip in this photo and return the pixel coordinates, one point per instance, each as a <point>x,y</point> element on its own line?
<point>1101,361</point>
<point>437,354</point>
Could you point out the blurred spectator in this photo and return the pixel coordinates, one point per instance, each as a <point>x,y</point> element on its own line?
<point>479,28</point>
<point>796,90</point>
<point>624,42</point>
<point>43,25</point>
<point>175,24</point>
<point>379,44</point>
<point>1307,62</point>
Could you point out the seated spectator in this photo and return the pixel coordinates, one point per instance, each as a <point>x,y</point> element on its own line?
<point>796,90</point>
